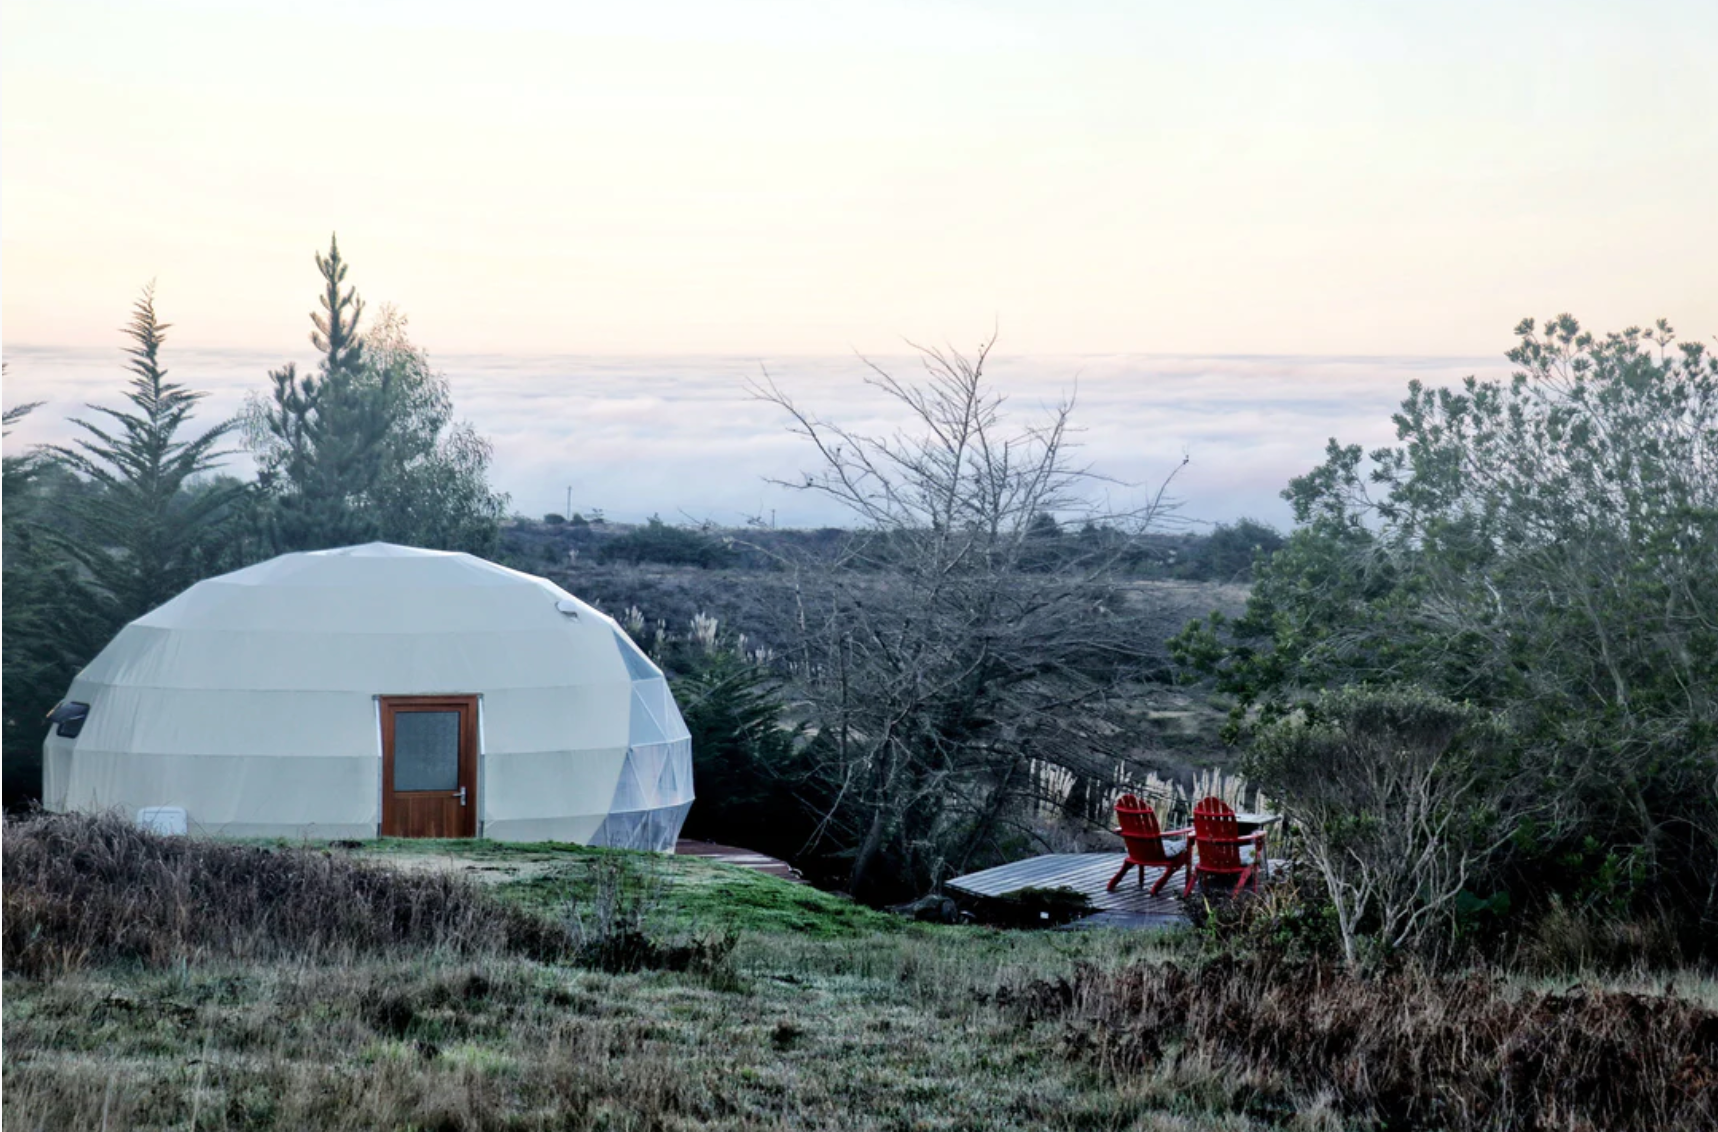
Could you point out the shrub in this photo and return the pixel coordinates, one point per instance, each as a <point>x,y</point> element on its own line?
<point>1230,551</point>
<point>615,928</point>
<point>743,756</point>
<point>1544,545</point>
<point>86,891</point>
<point>1034,907</point>
<point>658,542</point>
<point>1290,918</point>
<point>1395,794</point>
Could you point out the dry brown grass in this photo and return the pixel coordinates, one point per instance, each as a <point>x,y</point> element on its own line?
<point>822,1016</point>
<point>1406,1049</point>
<point>82,891</point>
<point>815,1040</point>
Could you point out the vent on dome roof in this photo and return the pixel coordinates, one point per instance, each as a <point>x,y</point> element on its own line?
<point>567,606</point>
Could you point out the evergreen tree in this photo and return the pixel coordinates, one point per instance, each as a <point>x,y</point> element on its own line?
<point>19,470</point>
<point>140,533</point>
<point>433,487</point>
<point>51,630</point>
<point>368,449</point>
<point>322,438</point>
<point>20,683</point>
<point>1233,549</point>
<point>336,333</point>
<point>100,532</point>
<point>743,755</point>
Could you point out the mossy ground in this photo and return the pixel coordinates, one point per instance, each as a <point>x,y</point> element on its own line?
<point>695,894</point>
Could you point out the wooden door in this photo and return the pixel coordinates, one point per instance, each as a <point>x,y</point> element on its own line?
<point>429,766</point>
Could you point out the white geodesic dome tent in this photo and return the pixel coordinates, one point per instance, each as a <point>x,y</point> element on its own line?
<point>256,702</point>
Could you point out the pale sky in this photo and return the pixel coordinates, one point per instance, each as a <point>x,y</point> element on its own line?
<point>786,177</point>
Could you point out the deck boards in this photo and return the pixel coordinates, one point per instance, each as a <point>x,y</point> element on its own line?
<point>744,858</point>
<point>1128,906</point>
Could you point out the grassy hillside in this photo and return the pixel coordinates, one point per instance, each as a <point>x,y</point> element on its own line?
<point>786,1008</point>
<point>822,1014</point>
<point>684,894</point>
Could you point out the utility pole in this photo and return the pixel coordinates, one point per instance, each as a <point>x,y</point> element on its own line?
<point>568,513</point>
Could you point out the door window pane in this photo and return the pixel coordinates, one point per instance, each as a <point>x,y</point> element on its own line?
<point>426,750</point>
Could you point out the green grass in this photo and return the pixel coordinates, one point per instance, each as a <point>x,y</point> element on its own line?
<point>831,1016</point>
<point>811,1041</point>
<point>825,1015</point>
<point>697,894</point>
<point>836,1016</point>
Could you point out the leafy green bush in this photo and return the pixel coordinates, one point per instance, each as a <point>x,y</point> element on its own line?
<point>1232,549</point>
<point>1545,548</point>
<point>1396,796</point>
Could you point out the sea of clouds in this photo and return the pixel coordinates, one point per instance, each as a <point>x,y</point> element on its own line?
<point>684,437</point>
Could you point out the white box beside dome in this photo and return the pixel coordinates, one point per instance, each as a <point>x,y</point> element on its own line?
<point>169,821</point>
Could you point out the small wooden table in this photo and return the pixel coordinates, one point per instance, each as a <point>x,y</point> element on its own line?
<point>1252,823</point>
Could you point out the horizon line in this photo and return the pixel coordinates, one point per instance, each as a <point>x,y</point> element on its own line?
<point>34,347</point>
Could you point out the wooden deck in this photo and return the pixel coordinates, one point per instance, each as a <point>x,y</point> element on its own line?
<point>744,858</point>
<point>1129,906</point>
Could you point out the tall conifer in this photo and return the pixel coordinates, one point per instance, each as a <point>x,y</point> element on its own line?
<point>328,432</point>
<point>140,535</point>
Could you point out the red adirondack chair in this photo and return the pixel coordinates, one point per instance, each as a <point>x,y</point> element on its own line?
<point>1144,840</point>
<point>1218,842</point>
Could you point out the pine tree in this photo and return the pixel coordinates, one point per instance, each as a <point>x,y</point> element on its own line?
<point>324,437</point>
<point>336,333</point>
<point>51,630</point>
<point>28,679</point>
<point>367,448</point>
<point>100,532</point>
<point>140,533</point>
<point>18,470</point>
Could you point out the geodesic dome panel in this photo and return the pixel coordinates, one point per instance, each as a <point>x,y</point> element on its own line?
<point>654,790</point>
<point>252,702</point>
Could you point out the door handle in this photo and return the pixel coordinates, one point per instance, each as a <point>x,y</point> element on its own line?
<point>462,795</point>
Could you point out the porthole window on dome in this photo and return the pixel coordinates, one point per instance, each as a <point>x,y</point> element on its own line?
<point>68,719</point>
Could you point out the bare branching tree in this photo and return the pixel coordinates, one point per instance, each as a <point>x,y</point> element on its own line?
<point>961,637</point>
